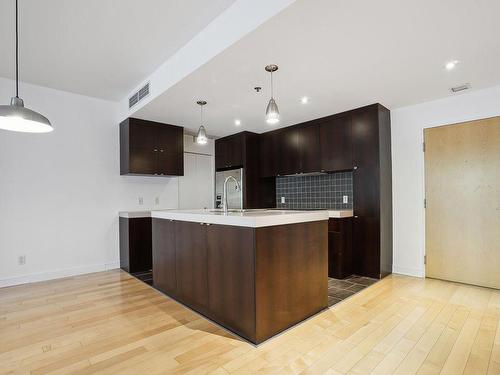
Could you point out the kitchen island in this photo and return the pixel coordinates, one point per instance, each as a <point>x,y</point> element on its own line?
<point>255,272</point>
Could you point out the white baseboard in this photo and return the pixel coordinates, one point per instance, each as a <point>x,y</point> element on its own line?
<point>57,274</point>
<point>416,272</point>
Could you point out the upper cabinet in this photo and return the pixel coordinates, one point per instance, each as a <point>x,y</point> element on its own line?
<point>229,151</point>
<point>336,144</point>
<point>309,148</point>
<point>151,148</point>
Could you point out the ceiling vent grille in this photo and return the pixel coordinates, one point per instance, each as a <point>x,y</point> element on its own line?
<point>138,96</point>
<point>460,88</point>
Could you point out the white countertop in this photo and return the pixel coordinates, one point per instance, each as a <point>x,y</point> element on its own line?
<point>139,214</point>
<point>248,218</point>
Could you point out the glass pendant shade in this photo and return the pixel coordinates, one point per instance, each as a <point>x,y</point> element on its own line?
<point>16,117</point>
<point>201,136</point>
<point>272,112</point>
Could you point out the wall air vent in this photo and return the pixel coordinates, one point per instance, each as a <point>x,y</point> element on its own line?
<point>138,96</point>
<point>460,88</point>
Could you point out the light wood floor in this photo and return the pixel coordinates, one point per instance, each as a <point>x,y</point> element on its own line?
<point>111,323</point>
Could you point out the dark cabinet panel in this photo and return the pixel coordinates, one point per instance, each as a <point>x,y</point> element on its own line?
<point>366,246</point>
<point>135,244</point>
<point>191,264</point>
<point>340,256</point>
<point>229,151</point>
<point>336,144</point>
<point>366,187</point>
<point>231,276</point>
<point>309,148</point>
<point>164,256</point>
<point>269,154</point>
<point>151,148</point>
<point>288,151</point>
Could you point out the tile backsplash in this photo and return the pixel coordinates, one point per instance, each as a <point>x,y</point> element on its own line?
<point>320,191</point>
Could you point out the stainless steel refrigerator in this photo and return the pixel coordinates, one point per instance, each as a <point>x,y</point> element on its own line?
<point>234,196</point>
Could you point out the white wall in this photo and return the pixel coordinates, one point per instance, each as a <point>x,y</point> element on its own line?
<point>60,192</point>
<point>407,128</point>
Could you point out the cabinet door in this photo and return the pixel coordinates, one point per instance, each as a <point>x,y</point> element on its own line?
<point>365,142</point>
<point>143,160</point>
<point>169,138</point>
<point>336,144</point>
<point>220,153</point>
<point>142,134</point>
<point>269,154</point>
<point>191,264</point>
<point>309,145</point>
<point>170,163</point>
<point>230,258</point>
<point>340,255</point>
<point>366,246</point>
<point>234,151</point>
<point>289,151</point>
<point>164,256</point>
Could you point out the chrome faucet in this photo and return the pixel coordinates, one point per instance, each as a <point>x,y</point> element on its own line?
<point>224,192</point>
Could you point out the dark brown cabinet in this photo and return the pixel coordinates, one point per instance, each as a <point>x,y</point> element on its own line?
<point>242,150</point>
<point>164,256</point>
<point>288,151</point>
<point>135,244</point>
<point>269,154</point>
<point>256,282</point>
<point>191,264</point>
<point>229,151</point>
<point>340,256</point>
<point>309,148</point>
<point>151,148</point>
<point>336,144</point>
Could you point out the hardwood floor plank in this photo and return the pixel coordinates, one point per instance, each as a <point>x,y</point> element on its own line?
<point>111,323</point>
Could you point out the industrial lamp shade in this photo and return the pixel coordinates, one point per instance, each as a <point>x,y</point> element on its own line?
<point>16,117</point>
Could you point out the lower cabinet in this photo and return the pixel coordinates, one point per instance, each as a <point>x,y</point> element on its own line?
<point>135,244</point>
<point>191,264</point>
<point>256,282</point>
<point>164,275</point>
<point>366,246</point>
<point>340,255</point>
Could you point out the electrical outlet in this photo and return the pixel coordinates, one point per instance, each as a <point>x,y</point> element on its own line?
<point>21,260</point>
<point>141,200</point>
<point>157,201</point>
<point>282,199</point>
<point>345,199</point>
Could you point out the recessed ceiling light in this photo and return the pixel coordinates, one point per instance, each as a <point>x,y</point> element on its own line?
<point>304,100</point>
<point>237,122</point>
<point>451,64</point>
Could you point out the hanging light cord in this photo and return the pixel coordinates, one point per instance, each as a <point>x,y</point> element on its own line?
<point>201,115</point>
<point>17,55</point>
<point>272,91</point>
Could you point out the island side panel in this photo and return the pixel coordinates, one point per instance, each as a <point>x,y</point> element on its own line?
<point>291,275</point>
<point>231,277</point>
<point>164,256</point>
<point>191,265</point>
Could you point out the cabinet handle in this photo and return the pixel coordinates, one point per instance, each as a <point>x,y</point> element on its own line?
<point>155,150</point>
<point>355,168</point>
<point>161,150</point>
<point>207,224</point>
<point>201,223</point>
<point>355,217</point>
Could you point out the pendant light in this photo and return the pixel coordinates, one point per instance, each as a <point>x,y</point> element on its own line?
<point>16,117</point>
<point>201,137</point>
<point>272,112</point>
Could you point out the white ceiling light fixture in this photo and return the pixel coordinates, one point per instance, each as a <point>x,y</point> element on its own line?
<point>304,100</point>
<point>237,122</point>
<point>15,117</point>
<point>201,136</point>
<point>450,65</point>
<point>272,112</point>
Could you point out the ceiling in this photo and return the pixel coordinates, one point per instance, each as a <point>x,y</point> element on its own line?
<point>342,54</point>
<point>98,48</point>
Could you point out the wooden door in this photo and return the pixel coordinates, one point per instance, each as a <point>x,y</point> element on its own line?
<point>462,185</point>
<point>164,256</point>
<point>336,144</point>
<point>191,264</point>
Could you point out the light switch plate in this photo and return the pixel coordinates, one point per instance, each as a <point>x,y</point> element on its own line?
<point>21,260</point>
<point>282,199</point>
<point>157,201</point>
<point>141,200</point>
<point>345,199</point>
